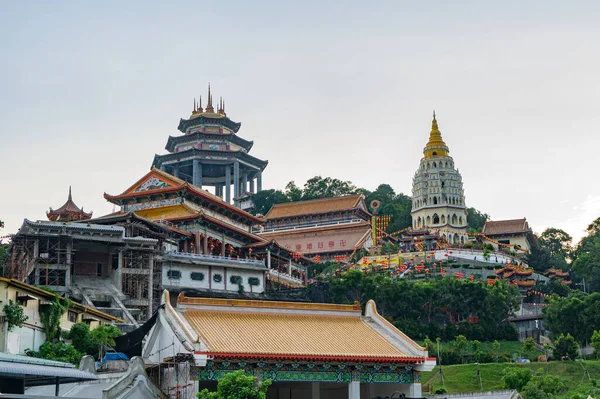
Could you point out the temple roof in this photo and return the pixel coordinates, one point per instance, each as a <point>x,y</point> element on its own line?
<point>436,145</point>
<point>511,226</point>
<point>68,212</point>
<point>249,329</point>
<point>208,116</point>
<point>316,206</point>
<point>158,183</point>
<point>241,155</point>
<point>172,141</point>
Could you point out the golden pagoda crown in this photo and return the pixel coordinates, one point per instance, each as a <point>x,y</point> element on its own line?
<point>436,147</point>
<point>210,110</point>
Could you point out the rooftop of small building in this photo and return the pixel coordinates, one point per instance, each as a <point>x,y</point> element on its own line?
<point>316,206</point>
<point>509,226</point>
<point>69,211</point>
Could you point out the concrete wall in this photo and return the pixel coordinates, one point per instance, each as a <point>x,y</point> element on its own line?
<point>185,281</point>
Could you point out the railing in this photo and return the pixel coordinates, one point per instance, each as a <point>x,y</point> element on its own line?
<point>216,258</point>
<point>306,226</point>
<point>285,276</point>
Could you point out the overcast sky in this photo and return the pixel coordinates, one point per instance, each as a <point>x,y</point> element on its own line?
<point>90,91</point>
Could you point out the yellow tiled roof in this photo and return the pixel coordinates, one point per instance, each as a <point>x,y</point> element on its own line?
<point>313,207</point>
<point>289,334</point>
<point>167,212</point>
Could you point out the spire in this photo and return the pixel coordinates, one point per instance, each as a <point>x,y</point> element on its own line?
<point>70,196</point>
<point>194,111</point>
<point>209,106</point>
<point>436,147</point>
<point>221,109</point>
<point>200,105</point>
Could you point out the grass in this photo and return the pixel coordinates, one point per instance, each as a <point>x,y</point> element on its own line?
<point>463,378</point>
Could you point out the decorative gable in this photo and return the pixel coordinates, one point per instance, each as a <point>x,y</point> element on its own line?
<point>153,183</point>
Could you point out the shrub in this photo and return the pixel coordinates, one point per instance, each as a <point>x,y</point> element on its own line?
<point>237,385</point>
<point>516,377</point>
<point>15,317</point>
<point>566,346</point>
<point>58,351</point>
<point>441,391</point>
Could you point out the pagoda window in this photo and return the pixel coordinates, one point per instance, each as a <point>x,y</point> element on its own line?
<point>435,201</point>
<point>460,220</point>
<point>443,219</point>
<point>436,219</point>
<point>197,276</point>
<point>434,164</point>
<point>428,221</point>
<point>454,219</point>
<point>434,154</point>
<point>443,184</point>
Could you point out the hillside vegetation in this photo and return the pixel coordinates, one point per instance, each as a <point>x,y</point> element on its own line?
<point>463,378</point>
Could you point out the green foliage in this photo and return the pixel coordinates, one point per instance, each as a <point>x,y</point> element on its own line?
<point>15,316</point>
<point>476,220</point>
<point>516,377</point>
<point>578,315</point>
<point>58,351</point>
<point>50,315</point>
<point>237,385</point>
<point>89,341</point>
<point>595,342</point>
<point>265,199</point>
<point>553,250</point>
<point>566,346</point>
<point>460,345</point>
<point>441,391</point>
<point>80,337</point>
<point>528,345</point>
<point>543,387</point>
<point>425,307</point>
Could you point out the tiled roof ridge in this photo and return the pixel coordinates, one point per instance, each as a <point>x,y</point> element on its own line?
<point>258,304</point>
<point>336,198</point>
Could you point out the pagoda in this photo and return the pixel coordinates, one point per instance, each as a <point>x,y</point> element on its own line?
<point>211,154</point>
<point>69,212</point>
<point>438,199</point>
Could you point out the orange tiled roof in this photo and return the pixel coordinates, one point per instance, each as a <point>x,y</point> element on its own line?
<point>511,226</point>
<point>316,331</point>
<point>314,207</point>
<point>167,212</point>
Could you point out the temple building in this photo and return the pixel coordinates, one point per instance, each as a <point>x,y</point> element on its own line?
<point>69,212</point>
<point>326,227</point>
<point>437,194</point>
<point>514,234</point>
<point>211,154</point>
<point>308,350</point>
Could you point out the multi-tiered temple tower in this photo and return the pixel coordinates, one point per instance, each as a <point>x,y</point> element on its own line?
<point>438,195</point>
<point>211,154</point>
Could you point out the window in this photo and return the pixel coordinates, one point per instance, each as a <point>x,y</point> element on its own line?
<point>253,281</point>
<point>217,278</point>
<point>72,316</point>
<point>197,276</point>
<point>235,279</point>
<point>174,274</point>
<point>99,269</point>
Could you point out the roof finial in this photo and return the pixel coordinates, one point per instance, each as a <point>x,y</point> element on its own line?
<point>434,114</point>
<point>194,105</point>
<point>70,197</point>
<point>209,106</point>
<point>200,105</point>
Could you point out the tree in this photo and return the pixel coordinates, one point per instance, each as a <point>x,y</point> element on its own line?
<point>566,346</point>
<point>528,346</point>
<point>80,337</point>
<point>91,341</point>
<point>476,220</point>
<point>460,345</point>
<point>265,199</point>
<point>50,315</point>
<point>15,316</point>
<point>516,377</point>
<point>293,192</point>
<point>496,348</point>
<point>237,385</point>
<point>557,241</point>
<point>595,342</point>
<point>319,187</point>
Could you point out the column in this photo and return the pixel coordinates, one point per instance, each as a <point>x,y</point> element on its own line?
<point>252,186</point>
<point>119,272</point>
<point>354,390</point>
<point>315,390</point>
<point>236,179</point>
<point>197,243</point>
<point>228,183</point>
<point>259,181</point>
<point>268,258</point>
<point>205,244</point>
<point>244,183</point>
<point>68,263</point>
<point>150,285</point>
<point>197,173</point>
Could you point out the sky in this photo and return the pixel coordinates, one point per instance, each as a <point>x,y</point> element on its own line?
<point>90,91</point>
